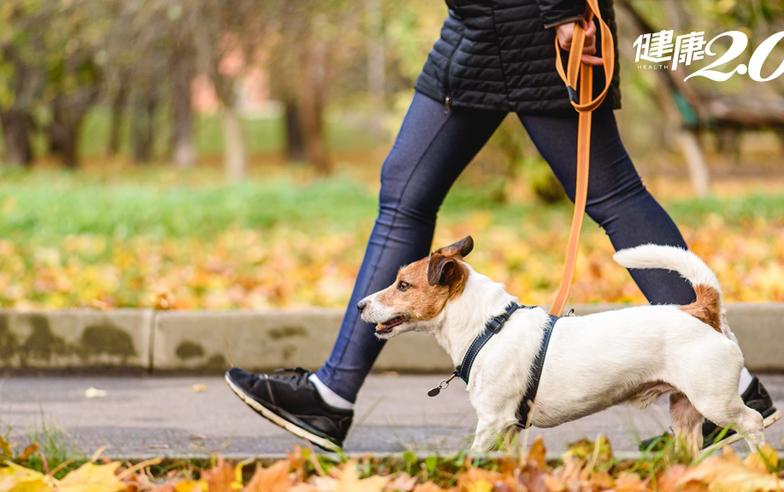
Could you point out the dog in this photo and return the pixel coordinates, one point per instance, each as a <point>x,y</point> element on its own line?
<point>634,354</point>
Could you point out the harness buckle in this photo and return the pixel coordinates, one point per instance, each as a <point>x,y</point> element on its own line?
<point>495,324</point>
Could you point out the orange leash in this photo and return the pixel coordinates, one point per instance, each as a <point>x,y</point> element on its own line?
<point>576,71</point>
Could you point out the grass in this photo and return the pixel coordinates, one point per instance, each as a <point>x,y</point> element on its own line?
<point>49,205</point>
<point>125,236</point>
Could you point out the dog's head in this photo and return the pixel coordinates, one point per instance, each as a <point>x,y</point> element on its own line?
<point>420,291</point>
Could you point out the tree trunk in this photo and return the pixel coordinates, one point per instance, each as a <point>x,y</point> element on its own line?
<point>64,143</point>
<point>63,130</point>
<point>183,150</point>
<point>295,140</point>
<point>695,161</point>
<point>233,145</point>
<point>142,127</point>
<point>311,106</point>
<point>17,126</point>
<point>119,100</point>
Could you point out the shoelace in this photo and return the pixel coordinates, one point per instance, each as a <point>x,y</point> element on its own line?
<point>298,378</point>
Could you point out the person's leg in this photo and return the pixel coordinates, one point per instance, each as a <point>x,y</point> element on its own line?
<point>432,148</point>
<point>617,199</point>
<point>620,204</point>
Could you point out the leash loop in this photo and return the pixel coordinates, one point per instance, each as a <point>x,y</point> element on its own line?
<point>584,103</point>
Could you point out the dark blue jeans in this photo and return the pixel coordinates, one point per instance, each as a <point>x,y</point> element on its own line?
<point>431,150</point>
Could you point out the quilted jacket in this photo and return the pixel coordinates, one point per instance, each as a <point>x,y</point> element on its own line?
<point>500,55</point>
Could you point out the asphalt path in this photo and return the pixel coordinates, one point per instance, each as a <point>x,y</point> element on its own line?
<point>137,416</point>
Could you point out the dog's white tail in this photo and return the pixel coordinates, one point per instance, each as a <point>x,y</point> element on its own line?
<point>707,307</point>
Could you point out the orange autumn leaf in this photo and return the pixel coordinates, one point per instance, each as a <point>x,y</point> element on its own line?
<point>272,479</point>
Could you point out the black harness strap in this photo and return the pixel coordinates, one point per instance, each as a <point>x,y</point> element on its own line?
<point>536,375</point>
<point>492,327</point>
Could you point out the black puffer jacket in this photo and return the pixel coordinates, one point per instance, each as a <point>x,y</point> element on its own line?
<point>499,54</point>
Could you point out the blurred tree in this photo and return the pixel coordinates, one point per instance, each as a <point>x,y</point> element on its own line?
<point>228,37</point>
<point>21,77</point>
<point>48,73</point>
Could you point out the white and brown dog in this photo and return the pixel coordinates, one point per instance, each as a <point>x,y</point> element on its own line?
<point>593,362</point>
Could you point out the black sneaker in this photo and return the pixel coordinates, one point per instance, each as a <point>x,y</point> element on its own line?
<point>293,403</point>
<point>755,397</point>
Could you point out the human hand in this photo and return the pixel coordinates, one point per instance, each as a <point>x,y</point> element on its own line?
<point>565,33</point>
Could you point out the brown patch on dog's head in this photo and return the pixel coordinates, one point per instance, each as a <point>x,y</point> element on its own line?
<point>422,288</point>
<point>706,307</point>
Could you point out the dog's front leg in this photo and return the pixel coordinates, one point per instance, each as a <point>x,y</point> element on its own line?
<point>488,432</point>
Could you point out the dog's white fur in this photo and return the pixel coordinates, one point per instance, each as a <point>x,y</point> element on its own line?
<point>594,361</point>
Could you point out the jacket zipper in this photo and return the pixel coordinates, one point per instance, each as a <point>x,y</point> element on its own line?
<point>447,95</point>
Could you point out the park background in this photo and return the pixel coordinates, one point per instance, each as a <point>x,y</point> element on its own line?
<point>189,184</point>
<point>217,155</point>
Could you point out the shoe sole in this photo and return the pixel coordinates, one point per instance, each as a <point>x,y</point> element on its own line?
<point>766,422</point>
<point>276,419</point>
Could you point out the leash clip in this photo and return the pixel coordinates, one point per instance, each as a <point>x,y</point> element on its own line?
<point>441,386</point>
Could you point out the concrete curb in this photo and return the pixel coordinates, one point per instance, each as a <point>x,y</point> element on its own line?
<point>210,341</point>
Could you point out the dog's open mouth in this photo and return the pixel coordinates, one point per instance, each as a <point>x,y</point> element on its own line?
<point>388,325</point>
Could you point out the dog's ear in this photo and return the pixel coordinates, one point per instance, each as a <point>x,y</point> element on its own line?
<point>443,270</point>
<point>459,248</point>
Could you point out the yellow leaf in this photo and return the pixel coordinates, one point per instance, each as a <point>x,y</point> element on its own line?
<point>15,478</point>
<point>92,477</point>
<point>191,486</point>
<point>538,453</point>
<point>764,460</point>
<point>5,450</point>
<point>480,485</point>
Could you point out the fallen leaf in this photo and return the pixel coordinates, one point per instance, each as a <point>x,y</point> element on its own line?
<point>629,482</point>
<point>28,451</point>
<point>272,479</point>
<point>94,393</point>
<point>765,459</point>
<point>199,388</point>
<point>727,473</point>
<point>92,477</point>
<point>538,453</point>
<point>668,479</point>
<point>220,478</point>
<point>15,478</point>
<point>429,487</point>
<point>346,479</point>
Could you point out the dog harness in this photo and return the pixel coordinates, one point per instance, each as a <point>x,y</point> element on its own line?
<point>492,327</point>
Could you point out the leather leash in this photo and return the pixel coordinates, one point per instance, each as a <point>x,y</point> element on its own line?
<point>584,104</point>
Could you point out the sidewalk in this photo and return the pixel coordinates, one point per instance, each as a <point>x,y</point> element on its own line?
<point>163,416</point>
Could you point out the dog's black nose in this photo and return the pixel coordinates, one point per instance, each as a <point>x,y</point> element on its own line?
<point>361,305</point>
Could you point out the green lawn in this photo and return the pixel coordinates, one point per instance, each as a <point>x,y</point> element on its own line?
<point>163,203</point>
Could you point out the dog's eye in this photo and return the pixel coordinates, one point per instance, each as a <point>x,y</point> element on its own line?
<point>403,285</point>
